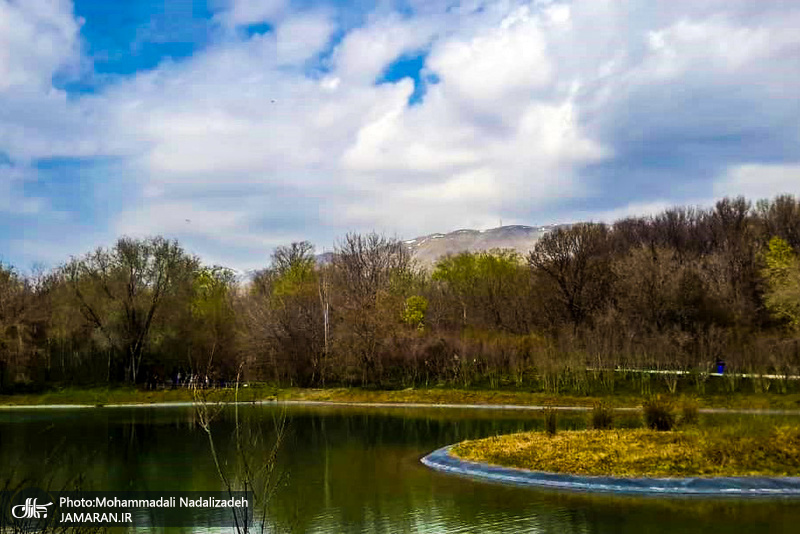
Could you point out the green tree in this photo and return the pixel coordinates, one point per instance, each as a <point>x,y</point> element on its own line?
<point>490,287</point>
<point>212,318</point>
<point>414,311</point>
<point>460,273</point>
<point>782,274</point>
<point>122,290</point>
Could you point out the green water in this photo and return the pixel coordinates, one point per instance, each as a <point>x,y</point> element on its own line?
<point>347,470</point>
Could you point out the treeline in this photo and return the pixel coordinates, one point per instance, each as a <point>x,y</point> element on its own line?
<point>679,290</point>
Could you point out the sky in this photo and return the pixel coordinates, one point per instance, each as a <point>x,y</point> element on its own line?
<point>236,126</point>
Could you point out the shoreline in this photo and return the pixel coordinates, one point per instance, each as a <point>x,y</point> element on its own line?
<point>442,460</point>
<point>359,404</point>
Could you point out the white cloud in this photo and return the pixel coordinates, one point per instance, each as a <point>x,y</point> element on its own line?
<point>257,143</point>
<point>501,63</point>
<point>301,36</point>
<point>756,181</point>
<point>724,46</point>
<point>247,12</point>
<point>365,52</point>
<point>633,209</point>
<point>37,37</point>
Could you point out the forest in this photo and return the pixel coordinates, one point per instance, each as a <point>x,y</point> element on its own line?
<point>675,291</point>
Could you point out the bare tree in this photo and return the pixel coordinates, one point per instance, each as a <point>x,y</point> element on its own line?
<point>370,270</point>
<point>575,259</point>
<point>15,305</point>
<point>781,218</point>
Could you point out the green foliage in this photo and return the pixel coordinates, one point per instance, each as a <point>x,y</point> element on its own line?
<point>212,324</point>
<point>488,288</point>
<point>782,274</point>
<point>413,313</point>
<point>601,417</point>
<point>292,273</point>
<point>458,271</point>
<point>659,414</point>
<point>293,281</point>
<point>779,257</point>
<point>211,287</point>
<point>463,271</point>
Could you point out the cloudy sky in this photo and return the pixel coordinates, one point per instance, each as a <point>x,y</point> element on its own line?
<point>238,125</point>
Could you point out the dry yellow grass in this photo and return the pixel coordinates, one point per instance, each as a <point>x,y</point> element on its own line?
<point>734,451</point>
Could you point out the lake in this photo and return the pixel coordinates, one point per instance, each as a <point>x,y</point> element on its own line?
<point>347,469</point>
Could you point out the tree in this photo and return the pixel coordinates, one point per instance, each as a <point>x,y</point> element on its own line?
<point>781,218</point>
<point>121,290</point>
<point>459,272</point>
<point>576,260</point>
<point>371,274</point>
<point>286,315</point>
<point>212,331</point>
<point>414,311</point>
<point>297,310</point>
<point>782,274</point>
<point>14,332</point>
<point>297,256</point>
<point>643,290</point>
<point>490,288</point>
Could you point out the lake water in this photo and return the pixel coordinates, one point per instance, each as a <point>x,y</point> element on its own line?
<point>348,470</point>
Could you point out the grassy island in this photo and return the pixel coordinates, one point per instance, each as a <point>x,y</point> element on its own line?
<point>717,452</point>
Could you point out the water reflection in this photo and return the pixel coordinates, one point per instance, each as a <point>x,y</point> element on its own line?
<point>350,470</point>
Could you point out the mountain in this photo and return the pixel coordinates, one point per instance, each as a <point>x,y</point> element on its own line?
<point>429,248</point>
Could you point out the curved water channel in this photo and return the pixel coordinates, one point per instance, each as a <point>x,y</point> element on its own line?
<point>349,469</point>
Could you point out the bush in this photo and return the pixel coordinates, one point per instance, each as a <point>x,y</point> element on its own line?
<point>601,417</point>
<point>658,414</point>
<point>689,413</point>
<point>550,421</point>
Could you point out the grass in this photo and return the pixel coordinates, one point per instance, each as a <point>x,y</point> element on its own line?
<point>98,396</point>
<point>439,395</point>
<point>744,401</point>
<point>734,450</point>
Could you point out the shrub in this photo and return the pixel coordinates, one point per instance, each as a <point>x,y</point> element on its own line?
<point>601,417</point>
<point>658,414</point>
<point>550,421</point>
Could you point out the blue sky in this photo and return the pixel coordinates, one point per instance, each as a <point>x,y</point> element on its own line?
<point>239,125</point>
